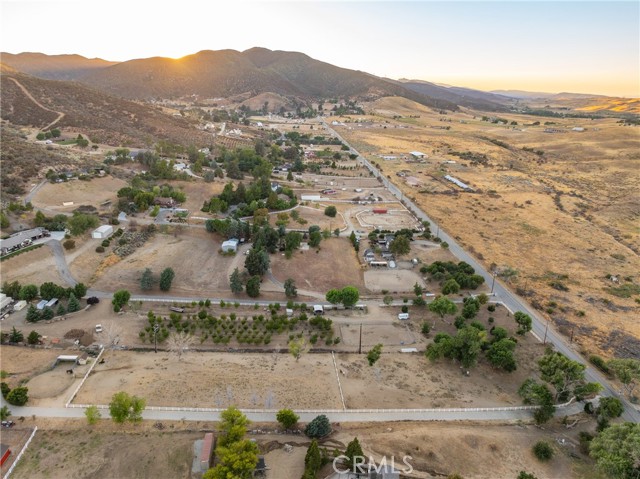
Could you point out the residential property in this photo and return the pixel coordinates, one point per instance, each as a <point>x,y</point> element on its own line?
<point>21,239</point>
<point>102,232</point>
<point>231,245</point>
<point>369,255</point>
<point>165,202</point>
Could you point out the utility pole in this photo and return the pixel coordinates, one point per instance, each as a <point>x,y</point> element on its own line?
<point>360,342</point>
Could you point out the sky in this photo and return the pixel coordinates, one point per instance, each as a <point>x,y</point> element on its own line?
<point>575,46</point>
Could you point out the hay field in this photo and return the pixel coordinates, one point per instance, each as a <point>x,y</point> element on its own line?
<point>570,213</point>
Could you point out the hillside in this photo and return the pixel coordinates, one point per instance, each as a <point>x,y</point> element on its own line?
<point>54,67</point>
<point>103,118</point>
<point>225,73</point>
<point>466,97</point>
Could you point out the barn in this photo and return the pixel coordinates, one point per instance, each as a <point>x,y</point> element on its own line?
<point>102,232</point>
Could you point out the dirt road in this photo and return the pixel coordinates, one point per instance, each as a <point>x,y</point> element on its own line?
<point>26,92</point>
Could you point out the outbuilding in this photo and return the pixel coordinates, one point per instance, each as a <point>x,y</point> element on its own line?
<point>41,305</point>
<point>20,305</point>
<point>231,245</point>
<point>5,452</point>
<point>102,232</point>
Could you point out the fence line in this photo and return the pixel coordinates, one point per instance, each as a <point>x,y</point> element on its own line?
<point>85,377</point>
<point>24,448</point>
<point>335,366</point>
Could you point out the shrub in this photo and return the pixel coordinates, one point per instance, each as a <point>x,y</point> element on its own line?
<point>105,243</point>
<point>491,308</point>
<point>426,329</point>
<point>100,249</point>
<point>69,244</point>
<point>330,211</point>
<point>18,396</point>
<point>287,418</point>
<point>405,309</point>
<point>543,451</point>
<point>319,427</point>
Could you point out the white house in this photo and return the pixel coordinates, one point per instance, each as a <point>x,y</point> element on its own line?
<point>102,232</point>
<point>230,245</point>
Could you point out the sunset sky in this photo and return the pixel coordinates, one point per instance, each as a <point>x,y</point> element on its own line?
<point>577,46</point>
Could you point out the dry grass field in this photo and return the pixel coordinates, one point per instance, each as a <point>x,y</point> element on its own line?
<point>564,219</point>
<point>334,265</point>
<point>33,267</point>
<point>312,216</point>
<point>94,192</point>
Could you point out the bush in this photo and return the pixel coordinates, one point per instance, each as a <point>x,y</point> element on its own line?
<point>491,308</point>
<point>69,244</point>
<point>100,249</point>
<point>330,211</point>
<point>18,396</point>
<point>543,451</point>
<point>319,427</point>
<point>105,243</point>
<point>405,309</point>
<point>600,363</point>
<point>287,418</point>
<point>426,329</point>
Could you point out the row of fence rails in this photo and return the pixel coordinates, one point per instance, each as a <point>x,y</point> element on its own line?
<point>85,377</point>
<point>22,451</point>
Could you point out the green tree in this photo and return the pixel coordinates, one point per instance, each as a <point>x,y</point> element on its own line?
<point>374,354</point>
<point>11,289</point>
<point>539,395</point>
<point>297,347</point>
<point>290,289</point>
<point>92,413</point>
<point>627,371</point>
<point>235,461</point>
<point>33,338</point>
<point>146,281</point>
<point>28,292</point>
<point>313,459</point>
<point>400,245</point>
<point>566,375</point>
<point>616,450</point>
<point>80,290</point>
<point>314,239</point>
<point>61,310</point>
<point>15,336</point>
<point>33,314</point>
<point>417,289</point>
<point>80,222</point>
<point>500,354</point>
<point>4,413</point>
<point>319,427</point>
<point>543,451</point>
<point>235,282</point>
<point>47,314</point>
<point>18,396</point>
<point>257,262</point>
<point>331,211</point>
<point>450,286</point>
<point>349,296</point>
<point>253,286</point>
<point>232,427</point>
<point>292,240</point>
<point>166,278</point>
<point>334,296</point>
<point>287,418</point>
<point>610,408</point>
<point>524,322</point>
<point>74,304</point>
<point>40,136</point>
<point>442,305</point>
<point>120,298</point>
<point>354,454</point>
<point>124,407</point>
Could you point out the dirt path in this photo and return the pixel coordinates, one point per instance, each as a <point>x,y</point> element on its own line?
<point>26,92</point>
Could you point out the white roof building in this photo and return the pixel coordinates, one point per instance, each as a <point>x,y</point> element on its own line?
<point>102,232</point>
<point>230,245</point>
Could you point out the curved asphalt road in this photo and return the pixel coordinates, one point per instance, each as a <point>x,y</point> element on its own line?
<point>510,300</point>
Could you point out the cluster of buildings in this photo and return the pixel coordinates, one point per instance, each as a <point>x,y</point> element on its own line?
<point>22,239</point>
<point>387,258</point>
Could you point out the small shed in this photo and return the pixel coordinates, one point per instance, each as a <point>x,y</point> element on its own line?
<point>102,232</point>
<point>41,305</point>
<point>231,245</point>
<point>51,303</point>
<point>417,154</point>
<point>20,305</point>
<point>206,454</point>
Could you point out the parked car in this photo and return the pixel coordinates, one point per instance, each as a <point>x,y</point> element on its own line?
<point>98,328</point>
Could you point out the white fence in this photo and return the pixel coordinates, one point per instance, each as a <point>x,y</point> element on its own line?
<point>84,378</point>
<point>24,448</point>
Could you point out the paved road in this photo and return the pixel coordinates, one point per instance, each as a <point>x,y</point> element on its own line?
<point>306,416</point>
<point>540,325</point>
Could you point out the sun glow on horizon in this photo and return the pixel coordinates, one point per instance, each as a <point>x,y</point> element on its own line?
<point>544,46</point>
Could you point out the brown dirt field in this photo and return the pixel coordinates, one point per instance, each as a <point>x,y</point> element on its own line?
<point>559,213</point>
<point>93,192</point>
<point>313,216</point>
<point>193,251</point>
<point>394,280</point>
<point>335,265</point>
<point>23,363</point>
<point>215,380</point>
<point>33,267</point>
<point>198,192</point>
<point>473,450</point>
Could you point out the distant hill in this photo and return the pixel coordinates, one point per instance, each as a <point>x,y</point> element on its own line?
<point>225,73</point>
<point>104,118</point>
<point>466,97</point>
<point>580,102</point>
<point>54,67</point>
